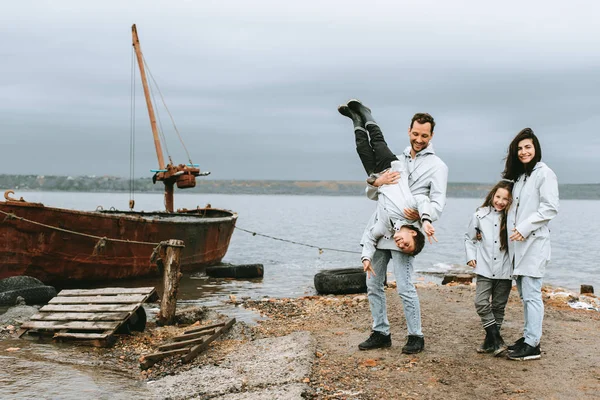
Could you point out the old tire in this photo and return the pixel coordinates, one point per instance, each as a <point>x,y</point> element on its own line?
<point>137,322</point>
<point>32,295</point>
<point>341,281</point>
<point>19,282</point>
<point>236,271</point>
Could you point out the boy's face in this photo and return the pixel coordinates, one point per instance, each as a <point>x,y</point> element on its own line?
<point>405,239</point>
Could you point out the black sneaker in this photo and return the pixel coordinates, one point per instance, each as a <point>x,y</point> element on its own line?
<point>516,344</point>
<point>414,344</point>
<point>525,353</point>
<point>377,340</point>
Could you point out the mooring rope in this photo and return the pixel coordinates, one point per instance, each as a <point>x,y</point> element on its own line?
<point>320,248</point>
<point>101,240</point>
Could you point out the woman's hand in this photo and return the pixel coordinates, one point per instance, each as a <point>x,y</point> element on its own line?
<point>516,236</point>
<point>411,214</point>
<point>472,263</point>
<point>368,268</point>
<point>387,178</point>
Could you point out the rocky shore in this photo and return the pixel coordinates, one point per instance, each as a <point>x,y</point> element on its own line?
<point>307,348</point>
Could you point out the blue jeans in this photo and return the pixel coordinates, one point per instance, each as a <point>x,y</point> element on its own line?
<point>530,290</point>
<point>403,269</point>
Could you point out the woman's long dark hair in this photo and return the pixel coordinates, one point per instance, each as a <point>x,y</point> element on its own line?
<point>514,167</point>
<point>508,185</point>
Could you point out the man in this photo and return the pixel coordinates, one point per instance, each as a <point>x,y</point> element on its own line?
<point>427,175</point>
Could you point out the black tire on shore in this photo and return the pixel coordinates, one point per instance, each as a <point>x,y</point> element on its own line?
<point>31,295</point>
<point>137,322</point>
<point>341,281</point>
<point>19,282</point>
<point>236,271</point>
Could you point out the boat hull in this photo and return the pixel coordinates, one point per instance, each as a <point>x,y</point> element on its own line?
<point>59,246</point>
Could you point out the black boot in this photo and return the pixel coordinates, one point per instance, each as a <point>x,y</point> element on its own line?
<point>362,110</point>
<point>499,345</point>
<point>377,340</point>
<point>355,117</point>
<point>486,346</point>
<point>414,344</point>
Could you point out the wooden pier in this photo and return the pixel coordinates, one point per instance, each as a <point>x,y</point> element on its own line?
<point>92,316</point>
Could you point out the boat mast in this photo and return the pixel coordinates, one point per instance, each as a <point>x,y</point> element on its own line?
<point>140,59</point>
<point>183,175</point>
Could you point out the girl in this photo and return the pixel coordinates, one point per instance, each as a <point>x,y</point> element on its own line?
<point>489,256</point>
<point>535,194</point>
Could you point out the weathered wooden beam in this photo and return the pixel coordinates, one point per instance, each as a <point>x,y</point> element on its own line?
<point>149,360</point>
<point>80,316</point>
<point>194,351</point>
<point>205,327</point>
<point>119,299</point>
<point>178,345</point>
<point>67,335</point>
<point>105,291</point>
<point>89,307</point>
<point>79,325</point>
<point>193,335</point>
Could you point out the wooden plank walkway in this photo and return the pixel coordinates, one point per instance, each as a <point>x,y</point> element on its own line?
<point>89,316</point>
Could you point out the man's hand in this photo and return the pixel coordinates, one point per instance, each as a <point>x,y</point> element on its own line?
<point>472,263</point>
<point>387,178</point>
<point>368,268</point>
<point>430,231</point>
<point>411,214</point>
<point>516,236</point>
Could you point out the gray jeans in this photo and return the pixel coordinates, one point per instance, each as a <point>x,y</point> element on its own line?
<point>491,312</point>
<point>530,290</point>
<point>403,269</point>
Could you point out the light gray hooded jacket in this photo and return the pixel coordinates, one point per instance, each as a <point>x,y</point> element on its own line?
<point>535,203</point>
<point>428,176</point>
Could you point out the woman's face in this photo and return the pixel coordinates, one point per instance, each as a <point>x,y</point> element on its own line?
<point>526,151</point>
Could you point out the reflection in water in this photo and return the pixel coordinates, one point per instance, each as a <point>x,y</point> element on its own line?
<point>32,372</point>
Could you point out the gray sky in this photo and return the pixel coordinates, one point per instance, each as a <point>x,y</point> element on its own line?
<point>254,86</point>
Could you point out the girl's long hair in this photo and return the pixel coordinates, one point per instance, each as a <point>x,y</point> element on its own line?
<point>508,185</point>
<point>514,167</point>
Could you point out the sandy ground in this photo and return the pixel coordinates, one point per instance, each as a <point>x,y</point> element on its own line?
<point>307,348</point>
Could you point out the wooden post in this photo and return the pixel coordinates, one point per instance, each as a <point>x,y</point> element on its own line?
<point>171,276</point>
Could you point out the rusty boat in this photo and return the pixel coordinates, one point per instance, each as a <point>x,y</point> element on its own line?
<point>60,246</point>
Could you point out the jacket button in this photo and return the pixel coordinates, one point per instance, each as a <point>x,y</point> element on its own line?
<point>494,258</point>
<point>495,224</point>
<point>495,241</point>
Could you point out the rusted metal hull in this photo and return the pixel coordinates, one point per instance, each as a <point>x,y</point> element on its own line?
<point>30,246</point>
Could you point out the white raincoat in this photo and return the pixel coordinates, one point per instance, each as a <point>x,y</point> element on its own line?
<point>535,203</point>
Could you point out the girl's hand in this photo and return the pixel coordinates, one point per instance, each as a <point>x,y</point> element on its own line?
<point>516,236</point>
<point>472,263</point>
<point>387,178</point>
<point>430,231</point>
<point>368,268</point>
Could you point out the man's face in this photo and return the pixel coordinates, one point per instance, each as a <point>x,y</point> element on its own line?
<point>419,136</point>
<point>405,240</point>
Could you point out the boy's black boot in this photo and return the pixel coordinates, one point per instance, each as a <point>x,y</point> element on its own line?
<point>377,340</point>
<point>499,345</point>
<point>414,344</point>
<point>362,110</point>
<point>486,346</point>
<point>355,117</point>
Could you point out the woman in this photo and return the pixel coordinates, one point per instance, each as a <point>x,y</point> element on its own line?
<point>535,203</point>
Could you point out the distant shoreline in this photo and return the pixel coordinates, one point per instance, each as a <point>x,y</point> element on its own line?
<point>112,184</point>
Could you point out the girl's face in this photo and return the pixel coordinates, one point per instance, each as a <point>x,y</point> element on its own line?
<point>526,151</point>
<point>501,199</point>
<point>405,240</point>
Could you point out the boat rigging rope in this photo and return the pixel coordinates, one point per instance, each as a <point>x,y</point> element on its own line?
<point>101,240</point>
<point>168,112</point>
<point>321,249</point>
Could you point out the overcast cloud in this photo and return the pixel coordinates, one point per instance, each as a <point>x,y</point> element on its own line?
<point>254,86</point>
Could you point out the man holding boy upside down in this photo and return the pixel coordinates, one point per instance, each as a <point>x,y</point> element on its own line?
<point>427,178</point>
